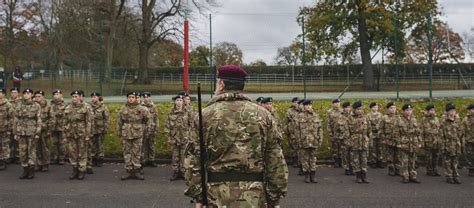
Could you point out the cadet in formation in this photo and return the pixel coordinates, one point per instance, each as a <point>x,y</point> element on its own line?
<point>100,123</point>
<point>58,121</point>
<point>336,144</point>
<point>451,143</point>
<point>133,122</point>
<point>78,119</point>
<point>15,100</point>
<point>27,129</point>
<point>342,126</point>
<point>177,135</point>
<point>311,139</point>
<point>430,133</point>
<point>408,143</point>
<point>291,126</point>
<point>235,131</point>
<point>360,134</point>
<point>468,138</point>
<point>6,118</point>
<point>375,150</point>
<point>42,148</point>
<point>149,139</point>
<point>389,134</point>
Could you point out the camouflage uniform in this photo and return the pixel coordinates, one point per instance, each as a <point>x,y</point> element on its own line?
<point>408,143</point>
<point>245,162</point>
<point>451,145</point>
<point>42,149</point>
<point>390,132</point>
<point>311,139</point>
<point>78,129</point>
<point>177,135</point>
<point>14,149</point>
<point>58,122</point>
<point>431,127</point>
<point>468,139</point>
<point>6,121</point>
<point>375,150</point>
<point>100,123</point>
<point>133,122</point>
<point>149,140</point>
<point>292,130</point>
<point>26,126</point>
<point>336,143</point>
<point>341,131</point>
<point>360,134</point>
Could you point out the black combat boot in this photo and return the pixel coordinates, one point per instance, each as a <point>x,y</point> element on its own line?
<point>397,172</point>
<point>359,177</point>
<point>435,173</point>
<point>45,168</point>
<point>380,164</point>
<point>31,172</point>
<point>175,176</point>
<point>471,172</point>
<point>127,176</point>
<point>347,172</point>
<point>24,175</point>
<point>89,171</point>
<point>39,168</point>
<point>139,175</point>
<point>337,163</point>
<point>364,177</point>
<point>307,177</point>
<point>414,180</point>
<point>450,180</point>
<point>456,180</point>
<point>3,165</point>
<point>99,162</point>
<point>153,164</point>
<point>81,175</point>
<point>61,162</point>
<point>351,171</point>
<point>391,171</point>
<point>405,180</point>
<point>312,177</point>
<point>301,173</point>
<point>74,173</point>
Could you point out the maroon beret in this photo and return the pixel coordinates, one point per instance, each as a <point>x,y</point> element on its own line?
<point>231,72</point>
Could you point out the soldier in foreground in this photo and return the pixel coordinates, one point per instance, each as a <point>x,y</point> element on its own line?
<point>291,125</point>
<point>390,131</point>
<point>177,135</point>
<point>451,143</point>
<point>100,123</point>
<point>149,139</point>
<point>360,134</point>
<point>244,154</point>
<point>78,132</point>
<point>311,139</point>
<point>408,143</point>
<point>58,121</point>
<point>6,123</point>
<point>27,130</point>
<point>375,150</point>
<point>15,100</point>
<point>42,149</point>
<point>468,138</point>
<point>133,121</point>
<point>335,142</point>
<point>430,128</point>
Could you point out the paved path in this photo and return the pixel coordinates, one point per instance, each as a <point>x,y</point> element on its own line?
<point>104,189</point>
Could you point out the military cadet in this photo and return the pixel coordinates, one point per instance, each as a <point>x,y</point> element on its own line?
<point>267,103</point>
<point>42,149</point>
<point>259,100</point>
<point>58,122</point>
<point>335,142</point>
<point>245,164</point>
<point>430,128</point>
<point>341,123</point>
<point>408,143</point>
<point>390,132</point>
<point>133,122</point>
<point>360,134</point>
<point>175,131</point>
<point>451,144</point>
<point>468,138</point>
<point>311,139</point>
<point>291,126</point>
<point>27,130</point>
<point>100,123</point>
<point>149,140</point>
<point>375,151</point>
<point>298,132</point>
<point>6,121</point>
<point>78,133</point>
<point>15,100</point>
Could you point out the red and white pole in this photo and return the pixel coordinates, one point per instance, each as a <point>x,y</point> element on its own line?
<point>186,57</point>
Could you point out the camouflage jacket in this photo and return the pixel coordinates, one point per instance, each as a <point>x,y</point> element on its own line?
<point>133,121</point>
<point>16,102</point>
<point>430,131</point>
<point>27,119</point>
<point>6,116</point>
<point>276,118</point>
<point>360,132</point>
<point>390,129</point>
<point>153,130</point>
<point>341,128</point>
<point>191,115</point>
<point>176,127</point>
<point>241,137</point>
<point>58,119</point>
<point>468,129</point>
<point>291,123</point>
<point>451,143</point>
<point>45,116</point>
<point>331,116</point>
<point>375,122</point>
<point>410,133</point>
<point>100,118</point>
<point>311,130</point>
<point>78,121</point>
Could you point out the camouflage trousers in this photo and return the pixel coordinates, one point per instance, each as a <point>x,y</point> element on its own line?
<point>27,145</point>
<point>236,194</point>
<point>359,160</point>
<point>131,153</point>
<point>78,153</point>
<point>293,142</point>
<point>95,149</point>
<point>177,154</point>
<point>450,164</point>
<point>375,151</point>
<point>58,148</point>
<point>392,156</point>
<point>148,153</point>
<point>346,157</point>
<point>42,149</point>
<point>337,149</point>
<point>469,155</point>
<point>14,148</point>
<point>432,160</point>
<point>4,146</point>
<point>408,164</point>
<point>309,159</point>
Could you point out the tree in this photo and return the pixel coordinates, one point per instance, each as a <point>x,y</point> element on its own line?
<point>288,55</point>
<point>340,28</point>
<point>443,51</point>
<point>469,43</point>
<point>258,62</point>
<point>199,56</point>
<point>227,53</point>
<point>166,53</point>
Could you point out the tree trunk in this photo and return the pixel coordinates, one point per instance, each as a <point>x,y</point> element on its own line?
<point>143,64</point>
<point>365,47</point>
<point>109,40</point>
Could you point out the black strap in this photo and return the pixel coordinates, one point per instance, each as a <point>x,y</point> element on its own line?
<point>233,176</point>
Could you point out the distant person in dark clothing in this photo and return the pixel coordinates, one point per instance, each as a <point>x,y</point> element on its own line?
<point>17,77</point>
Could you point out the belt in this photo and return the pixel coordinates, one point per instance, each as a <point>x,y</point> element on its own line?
<point>233,176</point>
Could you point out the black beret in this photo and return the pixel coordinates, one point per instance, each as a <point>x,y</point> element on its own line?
<point>357,104</point>
<point>259,99</point>
<point>39,92</point>
<point>15,89</point>
<point>184,94</point>
<point>146,94</point>
<point>95,94</point>
<point>307,102</point>
<point>390,104</point>
<point>133,93</point>
<point>346,104</point>
<point>3,91</point>
<point>178,97</point>
<point>470,107</point>
<point>231,72</point>
<point>57,91</point>
<point>76,92</point>
<point>429,107</point>
<point>27,90</point>
<point>450,106</point>
<point>372,104</point>
<point>336,100</point>
<point>81,93</point>
<point>407,106</point>
<point>294,99</point>
<point>139,94</point>
<point>267,100</point>
<point>301,101</point>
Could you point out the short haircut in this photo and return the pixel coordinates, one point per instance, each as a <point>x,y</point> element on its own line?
<point>237,85</point>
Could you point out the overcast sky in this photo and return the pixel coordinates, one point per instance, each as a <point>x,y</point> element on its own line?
<point>260,27</point>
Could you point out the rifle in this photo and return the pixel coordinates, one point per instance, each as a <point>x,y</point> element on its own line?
<point>202,148</point>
